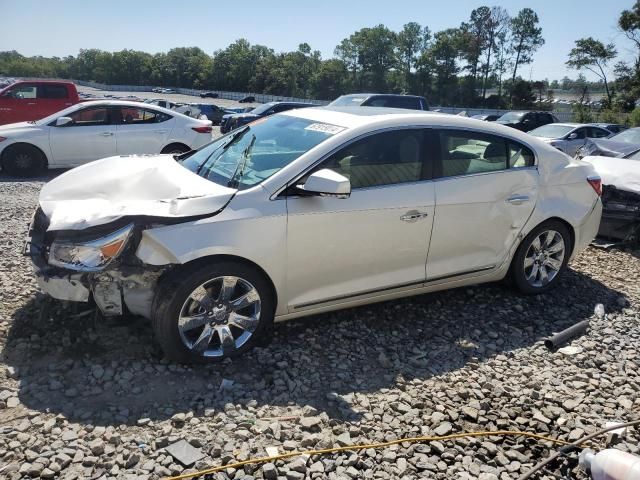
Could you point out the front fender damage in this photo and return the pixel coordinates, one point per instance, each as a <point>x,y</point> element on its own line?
<point>128,284</point>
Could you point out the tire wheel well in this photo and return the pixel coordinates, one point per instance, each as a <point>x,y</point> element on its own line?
<point>23,144</point>
<point>182,146</point>
<point>572,237</point>
<point>572,232</point>
<point>198,262</point>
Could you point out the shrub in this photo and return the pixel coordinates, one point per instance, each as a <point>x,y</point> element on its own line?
<point>634,117</point>
<point>582,114</point>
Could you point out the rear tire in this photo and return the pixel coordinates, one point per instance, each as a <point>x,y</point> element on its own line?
<point>541,258</point>
<point>191,314</point>
<point>23,160</point>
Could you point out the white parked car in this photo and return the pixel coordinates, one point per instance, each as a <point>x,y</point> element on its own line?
<point>308,211</point>
<point>92,130</point>
<point>568,137</point>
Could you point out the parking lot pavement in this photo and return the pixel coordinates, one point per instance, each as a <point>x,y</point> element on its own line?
<point>174,97</point>
<point>85,398</point>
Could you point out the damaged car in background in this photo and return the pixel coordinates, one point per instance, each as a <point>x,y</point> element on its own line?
<point>620,196</point>
<point>309,211</point>
<point>618,145</point>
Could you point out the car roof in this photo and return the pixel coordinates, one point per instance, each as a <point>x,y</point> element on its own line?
<point>352,117</point>
<point>368,95</point>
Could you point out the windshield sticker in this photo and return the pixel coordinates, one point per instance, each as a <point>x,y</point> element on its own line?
<point>325,128</point>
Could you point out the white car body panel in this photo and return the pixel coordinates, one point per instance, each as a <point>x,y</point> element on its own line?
<point>75,145</point>
<point>461,241</point>
<point>622,173</point>
<point>144,138</point>
<point>323,253</point>
<point>357,235</point>
<point>70,146</point>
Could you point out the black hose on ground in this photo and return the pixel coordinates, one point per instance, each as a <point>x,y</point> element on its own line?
<point>556,341</point>
<point>576,444</point>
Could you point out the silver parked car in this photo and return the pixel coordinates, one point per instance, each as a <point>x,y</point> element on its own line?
<point>308,211</point>
<point>569,137</point>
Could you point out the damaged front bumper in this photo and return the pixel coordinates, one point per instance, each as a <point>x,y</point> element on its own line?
<point>119,288</point>
<point>620,215</point>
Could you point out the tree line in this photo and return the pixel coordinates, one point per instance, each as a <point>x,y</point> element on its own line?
<point>477,64</point>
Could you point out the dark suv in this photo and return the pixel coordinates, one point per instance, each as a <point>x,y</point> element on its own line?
<point>411,102</point>
<point>526,121</point>
<point>235,120</point>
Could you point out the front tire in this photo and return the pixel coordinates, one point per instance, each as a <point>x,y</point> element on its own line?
<point>212,312</point>
<point>541,258</point>
<point>23,160</point>
<point>175,149</point>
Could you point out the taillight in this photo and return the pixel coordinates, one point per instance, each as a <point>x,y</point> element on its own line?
<point>596,184</point>
<point>207,129</point>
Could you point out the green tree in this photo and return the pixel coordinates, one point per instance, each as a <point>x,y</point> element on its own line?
<point>526,38</point>
<point>593,55</point>
<point>444,53</point>
<point>497,27</point>
<point>411,42</point>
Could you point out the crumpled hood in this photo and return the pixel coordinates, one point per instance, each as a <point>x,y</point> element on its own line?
<point>609,148</point>
<point>106,190</point>
<point>622,173</point>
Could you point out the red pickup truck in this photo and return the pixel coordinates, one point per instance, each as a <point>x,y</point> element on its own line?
<point>33,100</point>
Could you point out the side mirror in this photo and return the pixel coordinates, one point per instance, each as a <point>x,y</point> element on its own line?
<point>572,136</point>
<point>62,121</point>
<point>327,183</point>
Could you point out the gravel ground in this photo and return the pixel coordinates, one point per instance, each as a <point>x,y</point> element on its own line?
<point>80,398</point>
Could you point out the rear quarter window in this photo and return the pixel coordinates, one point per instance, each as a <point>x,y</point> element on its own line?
<point>52,91</point>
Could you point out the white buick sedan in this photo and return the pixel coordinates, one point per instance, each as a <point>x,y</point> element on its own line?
<point>309,211</point>
<point>92,130</point>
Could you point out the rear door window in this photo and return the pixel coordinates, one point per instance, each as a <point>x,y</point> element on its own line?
<point>595,132</point>
<point>52,91</point>
<point>465,153</point>
<point>403,102</point>
<point>140,116</point>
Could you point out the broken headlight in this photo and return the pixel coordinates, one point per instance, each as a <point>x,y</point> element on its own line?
<point>89,256</point>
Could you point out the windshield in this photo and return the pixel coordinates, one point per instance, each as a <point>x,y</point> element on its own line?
<point>252,154</point>
<point>348,101</point>
<point>628,136</point>
<point>551,131</point>
<point>262,108</point>
<point>511,117</point>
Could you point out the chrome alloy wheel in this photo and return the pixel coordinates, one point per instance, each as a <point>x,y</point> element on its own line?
<point>544,258</point>
<point>219,316</point>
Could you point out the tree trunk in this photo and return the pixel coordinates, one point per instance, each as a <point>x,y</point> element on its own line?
<point>515,71</point>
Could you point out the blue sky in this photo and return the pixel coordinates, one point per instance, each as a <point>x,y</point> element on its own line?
<point>40,27</point>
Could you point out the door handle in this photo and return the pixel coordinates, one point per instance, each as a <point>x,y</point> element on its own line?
<point>160,131</point>
<point>31,104</point>
<point>413,216</point>
<point>517,199</point>
<point>106,134</point>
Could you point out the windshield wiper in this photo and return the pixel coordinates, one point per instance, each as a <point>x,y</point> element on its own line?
<point>235,183</point>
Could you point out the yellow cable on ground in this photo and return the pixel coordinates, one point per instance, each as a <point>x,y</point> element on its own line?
<point>503,433</point>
